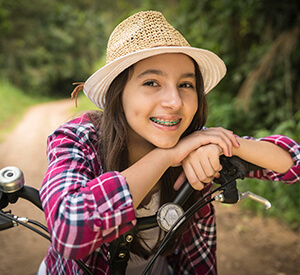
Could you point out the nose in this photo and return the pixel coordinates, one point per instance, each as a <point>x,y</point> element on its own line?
<point>171,98</point>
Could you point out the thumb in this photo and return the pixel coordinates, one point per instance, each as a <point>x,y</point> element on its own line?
<point>180,180</point>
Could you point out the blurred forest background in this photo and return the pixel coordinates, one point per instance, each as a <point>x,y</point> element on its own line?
<point>47,45</point>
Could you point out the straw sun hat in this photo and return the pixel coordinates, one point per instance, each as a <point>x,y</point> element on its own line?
<point>143,35</point>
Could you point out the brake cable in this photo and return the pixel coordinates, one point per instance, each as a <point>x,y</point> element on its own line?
<point>182,220</point>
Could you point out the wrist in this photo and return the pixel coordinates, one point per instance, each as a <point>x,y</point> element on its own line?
<point>164,156</point>
<point>236,151</point>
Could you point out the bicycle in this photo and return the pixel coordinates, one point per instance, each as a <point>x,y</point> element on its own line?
<point>170,216</point>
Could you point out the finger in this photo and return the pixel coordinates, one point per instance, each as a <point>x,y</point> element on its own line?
<point>192,176</point>
<point>210,172</point>
<point>180,180</point>
<point>221,139</point>
<point>229,137</point>
<point>215,163</point>
<point>236,142</point>
<point>227,147</point>
<point>207,168</point>
<point>196,163</point>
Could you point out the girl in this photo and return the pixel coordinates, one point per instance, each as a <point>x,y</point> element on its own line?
<point>108,167</point>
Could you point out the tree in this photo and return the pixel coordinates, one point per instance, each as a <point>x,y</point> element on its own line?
<point>259,42</point>
<point>48,44</point>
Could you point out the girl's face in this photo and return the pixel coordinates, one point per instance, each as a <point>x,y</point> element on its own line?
<point>160,100</point>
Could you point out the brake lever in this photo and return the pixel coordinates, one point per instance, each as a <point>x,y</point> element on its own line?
<point>236,168</point>
<point>232,170</point>
<point>256,198</point>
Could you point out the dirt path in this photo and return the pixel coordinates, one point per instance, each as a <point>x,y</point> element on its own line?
<point>249,245</point>
<point>22,250</point>
<point>246,245</point>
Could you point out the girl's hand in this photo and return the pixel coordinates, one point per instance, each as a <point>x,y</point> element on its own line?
<point>222,137</point>
<point>200,166</point>
<point>225,139</point>
<point>160,160</point>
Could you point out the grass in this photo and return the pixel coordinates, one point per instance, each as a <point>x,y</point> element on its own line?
<point>13,105</point>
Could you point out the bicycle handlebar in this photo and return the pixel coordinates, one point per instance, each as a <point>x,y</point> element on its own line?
<point>30,194</point>
<point>12,187</point>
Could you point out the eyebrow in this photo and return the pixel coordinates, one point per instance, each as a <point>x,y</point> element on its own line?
<point>188,75</point>
<point>158,72</point>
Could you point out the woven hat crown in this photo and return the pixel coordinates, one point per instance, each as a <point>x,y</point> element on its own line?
<point>143,30</point>
<point>143,35</point>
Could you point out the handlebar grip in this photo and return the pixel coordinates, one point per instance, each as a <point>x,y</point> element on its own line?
<point>184,193</point>
<point>242,165</point>
<point>30,194</point>
<point>253,167</point>
<point>186,189</point>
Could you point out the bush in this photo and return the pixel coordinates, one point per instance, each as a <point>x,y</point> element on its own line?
<point>284,199</point>
<point>47,45</point>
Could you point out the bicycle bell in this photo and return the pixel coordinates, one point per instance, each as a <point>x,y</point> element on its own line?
<point>11,179</point>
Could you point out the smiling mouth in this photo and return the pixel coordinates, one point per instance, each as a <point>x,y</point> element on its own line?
<point>165,122</point>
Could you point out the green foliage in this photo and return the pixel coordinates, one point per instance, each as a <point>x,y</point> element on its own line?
<point>229,116</point>
<point>13,104</point>
<point>284,199</point>
<point>245,34</point>
<point>84,104</point>
<point>48,44</point>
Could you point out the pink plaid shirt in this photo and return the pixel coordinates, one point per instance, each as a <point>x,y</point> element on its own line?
<point>85,208</point>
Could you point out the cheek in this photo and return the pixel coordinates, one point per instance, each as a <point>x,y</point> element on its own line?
<point>133,113</point>
<point>193,104</point>
<point>192,109</point>
<point>136,105</point>
<point>128,105</point>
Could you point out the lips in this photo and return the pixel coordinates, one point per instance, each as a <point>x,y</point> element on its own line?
<point>165,122</point>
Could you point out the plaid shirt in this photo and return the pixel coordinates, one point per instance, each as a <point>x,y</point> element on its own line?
<point>86,209</point>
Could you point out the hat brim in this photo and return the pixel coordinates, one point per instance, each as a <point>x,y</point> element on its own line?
<point>211,66</point>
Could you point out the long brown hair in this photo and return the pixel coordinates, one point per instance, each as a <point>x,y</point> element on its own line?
<point>112,129</point>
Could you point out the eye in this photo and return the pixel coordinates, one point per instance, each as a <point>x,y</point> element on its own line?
<point>186,85</point>
<point>150,83</point>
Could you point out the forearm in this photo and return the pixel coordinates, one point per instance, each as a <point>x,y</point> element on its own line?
<point>142,176</point>
<point>265,154</point>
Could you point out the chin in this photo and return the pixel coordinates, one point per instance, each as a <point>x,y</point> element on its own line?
<point>167,145</point>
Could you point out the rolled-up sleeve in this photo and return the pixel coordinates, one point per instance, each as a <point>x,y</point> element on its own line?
<point>84,207</point>
<point>293,148</point>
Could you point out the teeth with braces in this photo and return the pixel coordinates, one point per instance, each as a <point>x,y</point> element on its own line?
<point>165,122</point>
